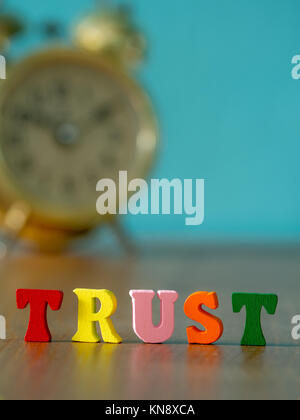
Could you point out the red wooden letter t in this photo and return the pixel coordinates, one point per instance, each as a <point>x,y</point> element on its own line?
<point>38,300</point>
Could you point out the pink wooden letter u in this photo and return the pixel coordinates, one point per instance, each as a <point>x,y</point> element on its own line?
<point>142,315</point>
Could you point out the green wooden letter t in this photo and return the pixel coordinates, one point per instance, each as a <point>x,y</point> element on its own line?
<point>253,335</point>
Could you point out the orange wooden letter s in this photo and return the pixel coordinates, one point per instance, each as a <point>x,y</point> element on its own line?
<point>213,325</point>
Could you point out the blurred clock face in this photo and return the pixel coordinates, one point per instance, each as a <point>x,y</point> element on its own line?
<point>65,126</point>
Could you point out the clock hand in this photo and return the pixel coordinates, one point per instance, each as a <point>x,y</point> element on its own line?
<point>100,114</point>
<point>42,120</point>
<point>64,133</point>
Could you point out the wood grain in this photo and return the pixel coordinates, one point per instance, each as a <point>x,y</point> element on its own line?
<point>133,370</point>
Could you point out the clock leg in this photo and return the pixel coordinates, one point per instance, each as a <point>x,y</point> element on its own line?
<point>123,237</point>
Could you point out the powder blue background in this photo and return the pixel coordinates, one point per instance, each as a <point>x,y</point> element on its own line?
<point>219,72</point>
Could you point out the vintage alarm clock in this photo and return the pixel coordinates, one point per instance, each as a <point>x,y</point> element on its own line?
<point>70,116</point>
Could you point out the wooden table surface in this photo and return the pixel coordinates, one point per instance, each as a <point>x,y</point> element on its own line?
<point>132,370</point>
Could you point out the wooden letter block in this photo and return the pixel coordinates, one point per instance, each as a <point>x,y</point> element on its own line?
<point>38,330</point>
<point>253,334</point>
<point>88,317</point>
<point>213,325</point>
<point>142,315</point>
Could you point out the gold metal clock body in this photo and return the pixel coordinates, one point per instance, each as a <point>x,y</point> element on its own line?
<point>68,118</point>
